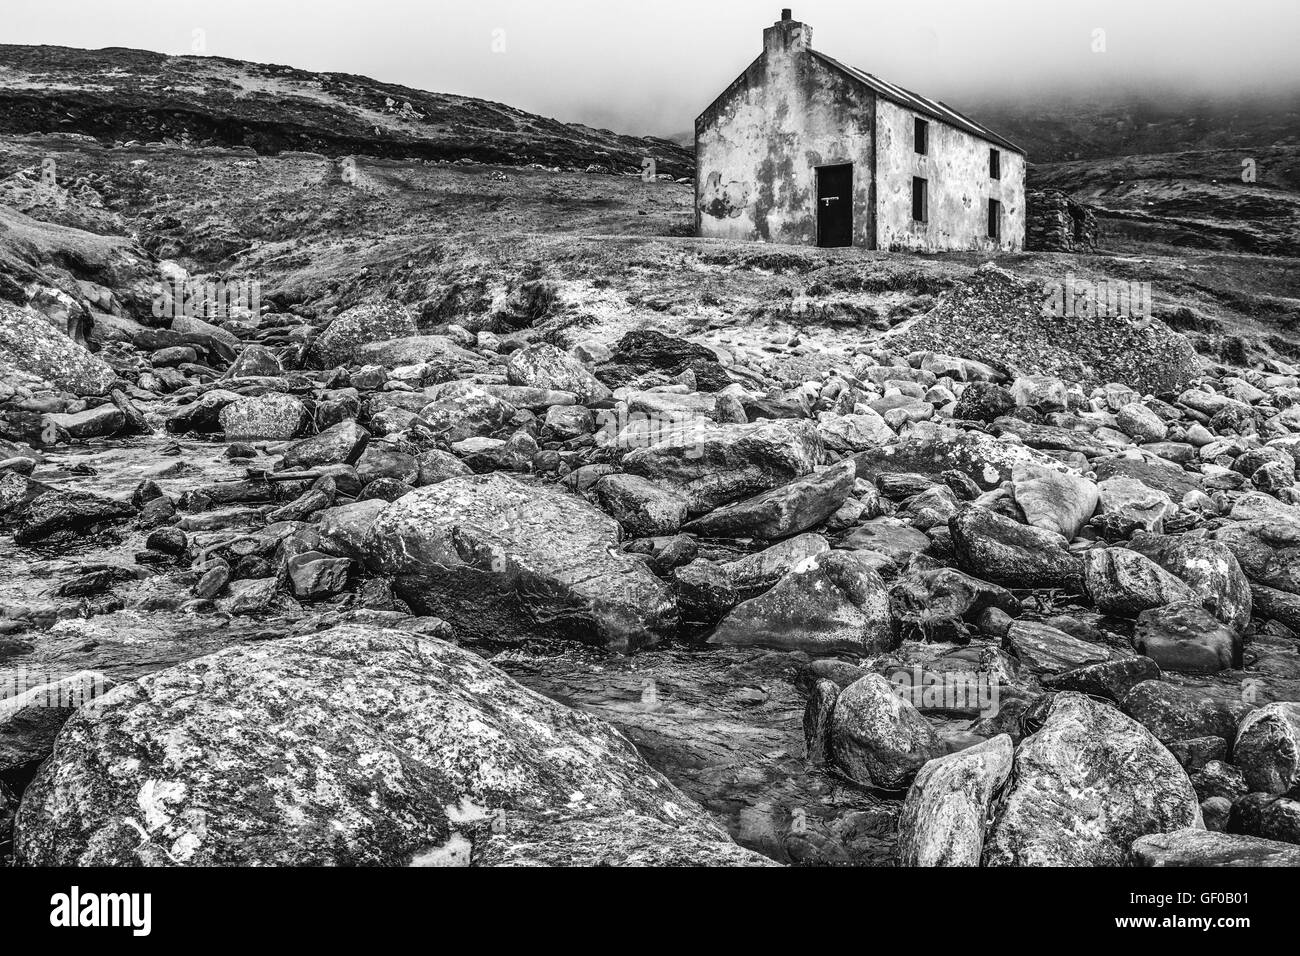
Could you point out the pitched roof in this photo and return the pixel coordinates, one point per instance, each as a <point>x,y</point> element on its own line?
<point>921,104</point>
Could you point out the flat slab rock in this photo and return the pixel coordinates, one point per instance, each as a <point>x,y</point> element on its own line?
<point>426,755</point>
<point>1195,847</point>
<point>502,560</point>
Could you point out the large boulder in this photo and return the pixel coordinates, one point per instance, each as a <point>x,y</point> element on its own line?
<point>32,349</point>
<point>358,326</point>
<point>1267,748</point>
<point>460,410</point>
<point>1208,567</point>
<point>1125,583</point>
<point>544,366</point>
<point>708,589</point>
<point>783,511</point>
<point>1053,500</point>
<point>999,549</point>
<point>1087,784</point>
<point>502,560</point>
<point>715,464</point>
<point>274,416</point>
<point>931,449</point>
<point>340,444</point>
<point>431,756</point>
<point>59,512</point>
<point>1185,637</point>
<point>948,807</point>
<point>829,603</point>
<point>877,737</point>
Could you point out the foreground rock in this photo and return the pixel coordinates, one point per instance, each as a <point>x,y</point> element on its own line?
<point>783,511</point>
<point>31,348</point>
<point>435,758</point>
<point>947,809</point>
<point>1086,785</point>
<point>1197,847</point>
<point>501,560</point>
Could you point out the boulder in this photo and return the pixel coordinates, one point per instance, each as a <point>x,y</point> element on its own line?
<point>715,464</point>
<point>642,507</point>
<point>544,366</point>
<point>274,416</point>
<point>434,757</point>
<point>947,809</point>
<point>709,589</point>
<point>1173,712</point>
<point>1047,650</point>
<point>31,347</point>
<point>1193,846</point>
<point>781,512</point>
<point>1267,748</point>
<point>998,549</point>
<point>1087,784</point>
<point>832,602</point>
<point>878,738</point>
<point>501,561</point>
<point>1185,637</point>
<point>255,361</point>
<point>645,351</point>
<point>59,512</point>
<point>1209,568</point>
<point>1125,583</point>
<point>1053,500</point>
<point>358,326</point>
<point>460,410</point>
<point>340,444</point>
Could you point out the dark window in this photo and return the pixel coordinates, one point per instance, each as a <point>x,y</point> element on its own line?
<point>995,219</point>
<point>920,201</point>
<point>995,164</point>
<point>921,135</point>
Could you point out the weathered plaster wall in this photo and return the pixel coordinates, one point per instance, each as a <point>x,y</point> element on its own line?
<point>957,167</point>
<point>758,146</point>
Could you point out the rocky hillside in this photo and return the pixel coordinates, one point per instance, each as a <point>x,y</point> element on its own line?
<point>1240,200</point>
<point>121,95</point>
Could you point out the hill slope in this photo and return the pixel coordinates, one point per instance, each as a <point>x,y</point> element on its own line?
<point>122,95</point>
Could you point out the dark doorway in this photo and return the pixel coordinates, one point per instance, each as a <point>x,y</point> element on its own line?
<point>835,205</point>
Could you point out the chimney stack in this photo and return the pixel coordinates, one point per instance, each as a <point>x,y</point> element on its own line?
<point>787,35</point>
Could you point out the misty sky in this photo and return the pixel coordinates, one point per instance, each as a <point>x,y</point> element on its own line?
<point>651,67</point>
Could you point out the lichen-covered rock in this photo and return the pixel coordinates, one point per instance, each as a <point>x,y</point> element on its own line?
<point>878,738</point>
<point>58,512</point>
<point>998,549</point>
<point>947,809</point>
<point>714,464</point>
<point>781,512</point>
<point>1267,748</point>
<point>1208,567</point>
<point>708,589</point>
<point>831,602</point>
<point>397,750</point>
<point>501,560</point>
<point>642,507</point>
<point>1125,583</point>
<point>544,366</point>
<point>31,346</point>
<point>340,444</point>
<point>459,410</point>
<point>358,326</point>
<point>1085,786</point>
<point>271,416</point>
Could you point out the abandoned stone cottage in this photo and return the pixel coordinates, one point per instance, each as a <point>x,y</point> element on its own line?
<point>803,149</point>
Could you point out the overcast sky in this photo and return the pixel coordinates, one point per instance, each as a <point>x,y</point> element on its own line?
<point>650,67</point>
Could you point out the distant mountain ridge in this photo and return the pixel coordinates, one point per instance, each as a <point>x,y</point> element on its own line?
<point>119,95</point>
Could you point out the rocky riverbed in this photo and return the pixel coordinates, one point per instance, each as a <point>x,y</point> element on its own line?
<point>362,587</point>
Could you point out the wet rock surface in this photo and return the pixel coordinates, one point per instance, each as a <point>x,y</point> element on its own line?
<point>843,598</point>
